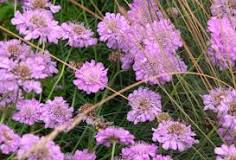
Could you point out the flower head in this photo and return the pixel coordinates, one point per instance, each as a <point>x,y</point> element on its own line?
<point>91,77</point>
<point>78,35</point>
<point>223,8</point>
<point>40,4</point>
<point>161,157</point>
<point>37,24</point>
<point>145,104</point>
<point>47,152</point>
<point>29,111</point>
<point>137,151</point>
<point>85,155</point>
<point>9,141</point>
<point>119,135</point>
<point>225,152</point>
<point>174,135</point>
<point>56,112</point>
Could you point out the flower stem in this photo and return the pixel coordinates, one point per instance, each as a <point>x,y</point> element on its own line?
<point>113,150</point>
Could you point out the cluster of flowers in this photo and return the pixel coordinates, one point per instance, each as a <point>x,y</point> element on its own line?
<point>222,27</point>
<point>222,102</point>
<point>147,40</point>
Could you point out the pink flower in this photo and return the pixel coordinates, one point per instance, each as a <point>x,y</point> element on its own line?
<point>84,155</point>
<point>160,157</point>
<point>225,152</point>
<point>91,77</point>
<point>40,4</point>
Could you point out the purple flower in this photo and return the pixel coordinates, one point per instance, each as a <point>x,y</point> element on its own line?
<point>84,155</point>
<point>146,105</point>
<point>222,48</point>
<point>225,152</point>
<point>56,112</point>
<point>110,134</point>
<point>37,24</point>
<point>48,152</point>
<point>160,157</point>
<point>227,135</point>
<point>91,77</point>
<point>223,8</point>
<point>139,151</point>
<point>29,111</point>
<point>40,4</point>
<point>78,35</point>
<point>9,141</point>
<point>174,135</point>
<point>113,30</point>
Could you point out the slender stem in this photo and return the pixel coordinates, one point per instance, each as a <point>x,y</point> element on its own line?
<point>15,6</point>
<point>113,150</point>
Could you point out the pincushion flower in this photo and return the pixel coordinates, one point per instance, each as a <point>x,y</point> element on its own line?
<point>146,105</point>
<point>113,30</point>
<point>222,48</point>
<point>213,99</point>
<point>37,24</point>
<point>222,8</point>
<point>40,4</point>
<point>9,141</point>
<point>29,111</point>
<point>164,35</point>
<point>139,151</point>
<point>225,152</point>
<point>78,35</point>
<point>56,112</point>
<point>161,157</point>
<point>174,135</point>
<point>84,155</point>
<point>113,134</point>
<point>47,152</point>
<point>91,77</point>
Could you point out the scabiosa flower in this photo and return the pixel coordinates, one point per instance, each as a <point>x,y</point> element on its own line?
<point>29,111</point>
<point>119,135</point>
<point>113,30</point>
<point>78,35</point>
<point>91,77</point>
<point>56,112</point>
<point>222,48</point>
<point>48,152</point>
<point>225,152</point>
<point>145,104</point>
<point>138,151</point>
<point>9,141</point>
<point>37,24</point>
<point>84,155</point>
<point>227,135</point>
<point>213,99</point>
<point>223,8</point>
<point>160,157</point>
<point>174,135</point>
<point>40,4</point>
<point>164,35</point>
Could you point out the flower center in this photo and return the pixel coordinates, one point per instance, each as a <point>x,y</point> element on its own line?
<point>13,50</point>
<point>58,112</point>
<point>112,25</point>
<point>176,128</point>
<point>38,21</point>
<point>7,135</point>
<point>144,103</point>
<point>41,154</point>
<point>39,3</point>
<point>78,29</point>
<point>233,109</point>
<point>218,97</point>
<point>22,71</point>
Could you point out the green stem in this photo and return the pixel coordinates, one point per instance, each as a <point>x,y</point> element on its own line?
<point>113,150</point>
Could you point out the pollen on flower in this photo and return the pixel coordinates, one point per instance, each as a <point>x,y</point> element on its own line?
<point>38,21</point>
<point>39,3</point>
<point>23,71</point>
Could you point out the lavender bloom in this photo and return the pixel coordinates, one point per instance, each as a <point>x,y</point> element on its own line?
<point>84,155</point>
<point>143,12</point>
<point>160,157</point>
<point>164,35</point>
<point>56,112</point>
<point>40,4</point>
<point>214,98</point>
<point>9,141</point>
<point>223,8</point>
<point>78,35</point>
<point>113,29</point>
<point>91,77</point>
<point>37,24</point>
<point>29,111</point>
<point>146,105</point>
<point>48,152</point>
<point>222,48</point>
<point>225,152</point>
<point>174,135</point>
<point>139,151</point>
<point>110,134</point>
